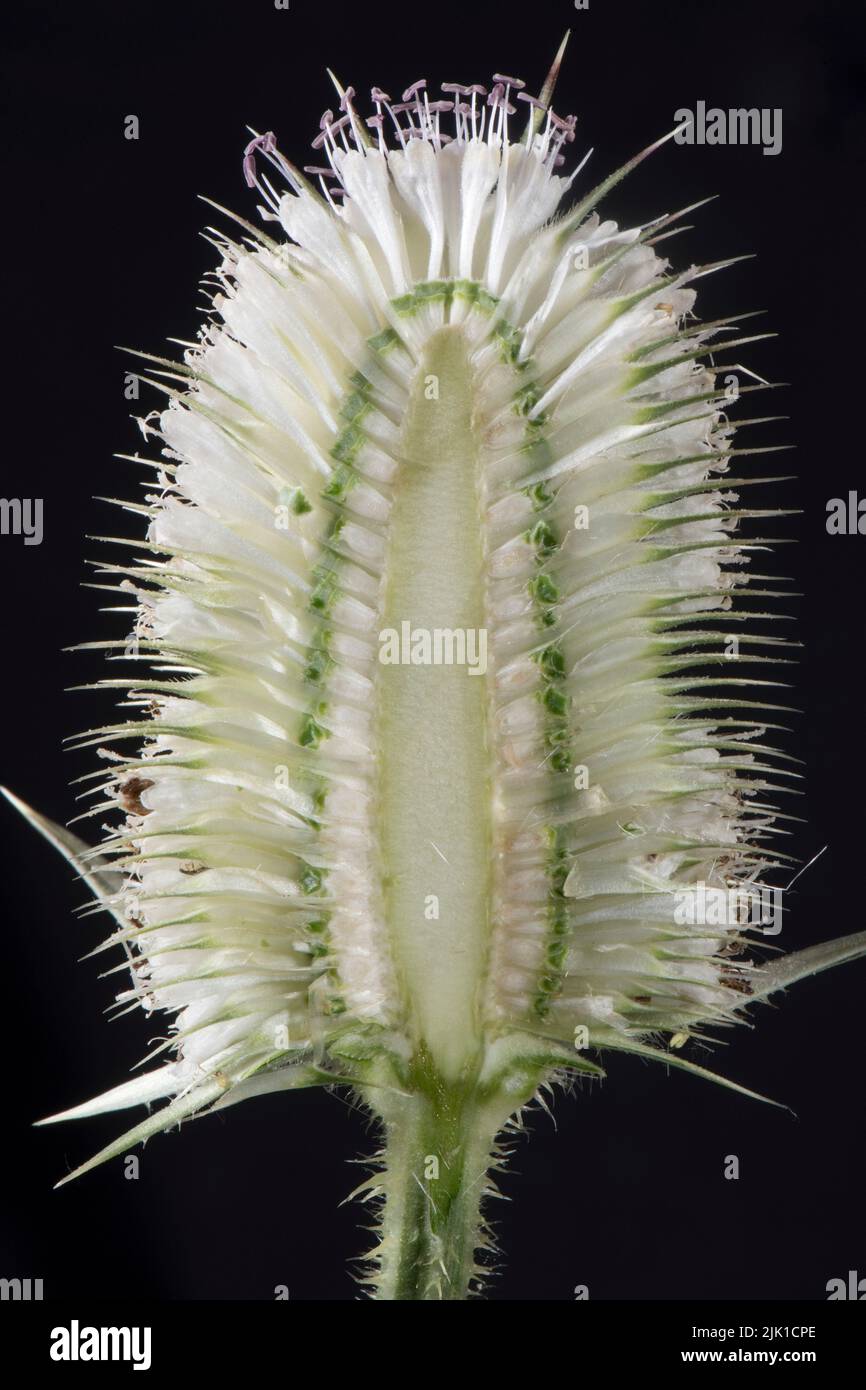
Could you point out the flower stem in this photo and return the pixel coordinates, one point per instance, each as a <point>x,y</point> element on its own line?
<point>439,1145</point>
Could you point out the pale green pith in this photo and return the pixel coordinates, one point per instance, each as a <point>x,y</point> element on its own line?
<point>434,813</point>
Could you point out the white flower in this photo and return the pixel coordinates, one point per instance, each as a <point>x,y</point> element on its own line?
<point>437,395</point>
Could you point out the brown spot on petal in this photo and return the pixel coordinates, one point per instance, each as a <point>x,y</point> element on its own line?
<point>130,795</point>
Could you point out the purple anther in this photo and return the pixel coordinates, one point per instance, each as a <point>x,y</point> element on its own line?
<point>378,95</point>
<point>565,126</point>
<point>509,81</point>
<point>347,97</point>
<point>533,101</point>
<point>416,87</point>
<point>399,107</point>
<point>316,169</point>
<point>497,99</point>
<point>267,143</point>
<point>441,106</point>
<point>326,120</point>
<point>477,89</point>
<point>376,121</point>
<point>457,87</point>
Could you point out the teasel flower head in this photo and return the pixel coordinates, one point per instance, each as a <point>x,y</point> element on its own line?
<point>441,399</point>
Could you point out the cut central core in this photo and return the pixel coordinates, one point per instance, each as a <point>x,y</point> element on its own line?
<point>432,702</point>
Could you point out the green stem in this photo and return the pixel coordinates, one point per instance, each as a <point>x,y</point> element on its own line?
<point>439,1142</point>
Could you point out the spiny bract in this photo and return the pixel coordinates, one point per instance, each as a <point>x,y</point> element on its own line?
<point>435,403</point>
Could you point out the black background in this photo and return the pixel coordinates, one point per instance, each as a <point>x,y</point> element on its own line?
<point>626,1192</point>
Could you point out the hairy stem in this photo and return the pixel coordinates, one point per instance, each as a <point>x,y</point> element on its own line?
<point>439,1142</point>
